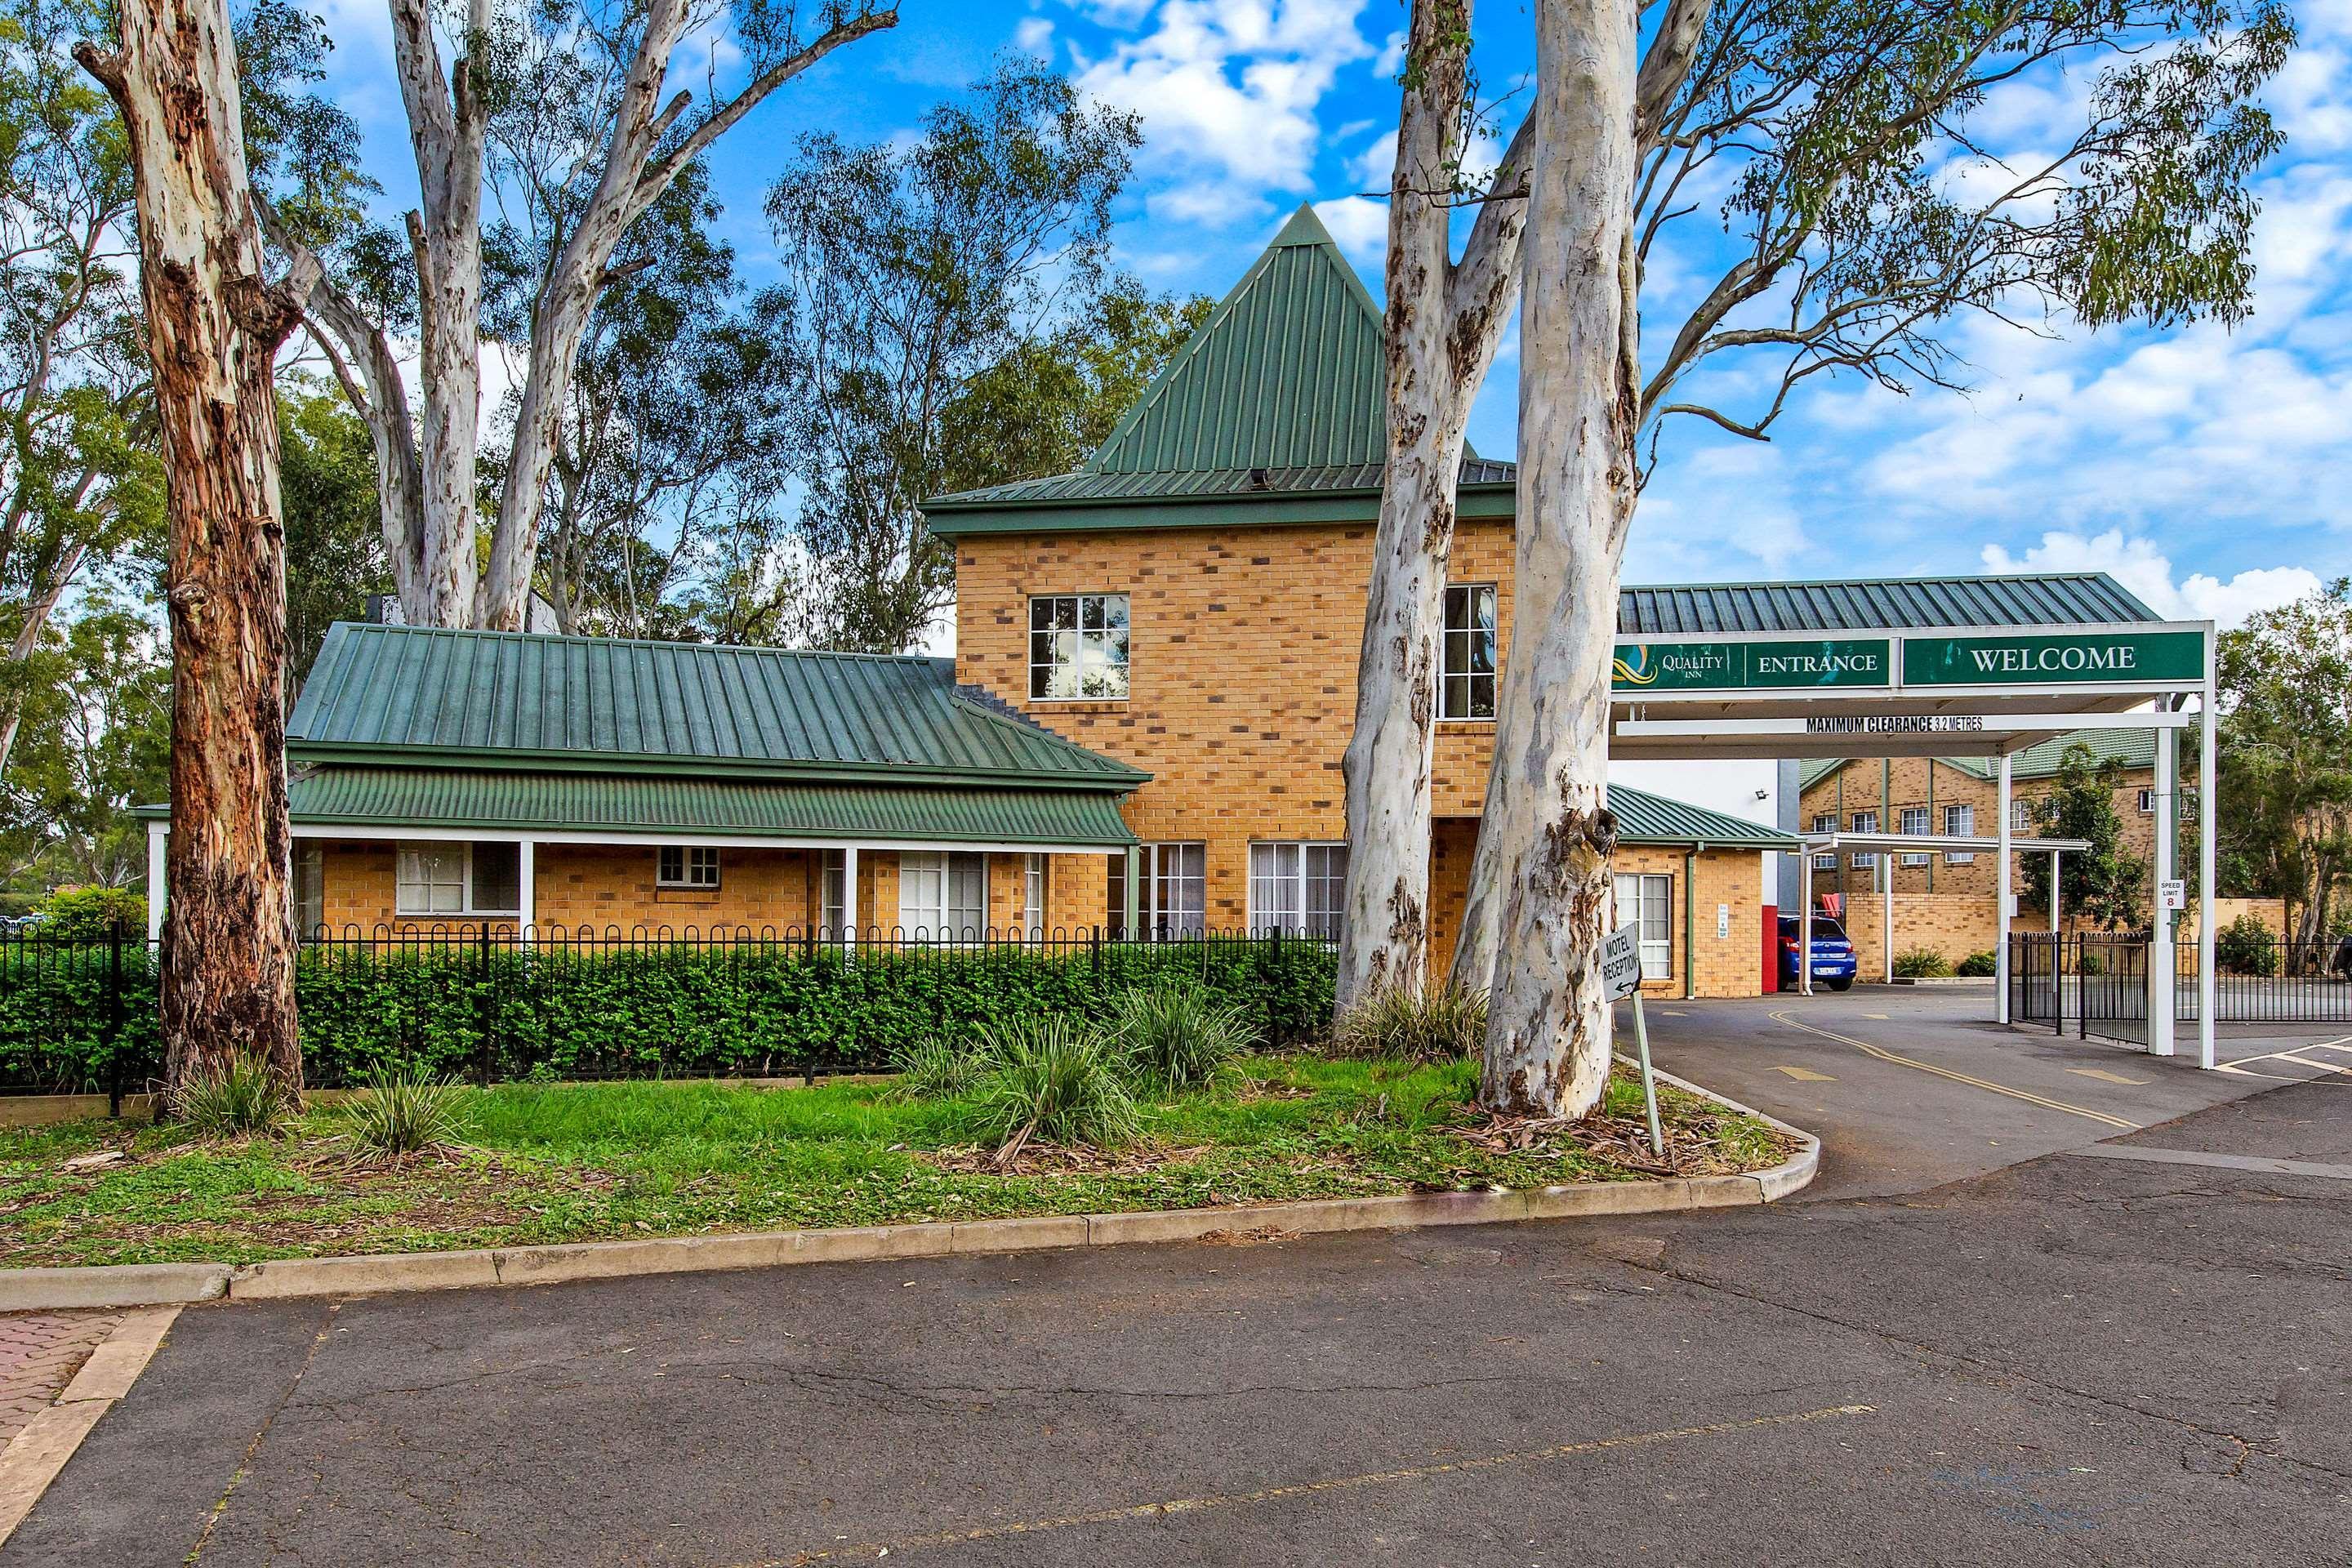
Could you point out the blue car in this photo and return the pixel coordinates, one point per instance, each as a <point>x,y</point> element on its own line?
<point>1833,961</point>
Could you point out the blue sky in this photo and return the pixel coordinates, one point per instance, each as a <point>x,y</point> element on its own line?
<point>2212,470</point>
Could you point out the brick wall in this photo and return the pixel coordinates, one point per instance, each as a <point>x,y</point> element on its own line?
<point>1954,924</point>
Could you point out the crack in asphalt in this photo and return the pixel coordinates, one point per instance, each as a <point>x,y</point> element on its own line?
<point>245,1463</point>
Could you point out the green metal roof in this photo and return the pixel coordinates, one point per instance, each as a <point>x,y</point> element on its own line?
<point>1280,394</point>
<point>2131,747</point>
<point>409,694</point>
<point>481,798</point>
<point>1646,818</point>
<point>2042,599</point>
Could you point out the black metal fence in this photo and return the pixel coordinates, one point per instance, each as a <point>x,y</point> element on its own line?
<point>2096,983</point>
<point>556,1003</point>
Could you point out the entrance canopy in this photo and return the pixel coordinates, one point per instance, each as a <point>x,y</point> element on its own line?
<point>1980,667</point>
<point>1900,667</point>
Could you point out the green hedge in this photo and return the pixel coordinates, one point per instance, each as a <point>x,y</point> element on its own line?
<point>649,1009</point>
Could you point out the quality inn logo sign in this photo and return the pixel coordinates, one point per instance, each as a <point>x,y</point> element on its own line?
<point>1729,666</point>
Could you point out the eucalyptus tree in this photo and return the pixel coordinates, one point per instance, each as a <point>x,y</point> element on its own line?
<point>1873,206</point>
<point>1444,320</point>
<point>559,113</point>
<point>2286,758</point>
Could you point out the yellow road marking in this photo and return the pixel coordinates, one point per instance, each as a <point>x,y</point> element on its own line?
<point>1881,1018</point>
<point>2104,1075</point>
<point>1886,1056</point>
<point>872,1549</point>
<point>1803,1076</point>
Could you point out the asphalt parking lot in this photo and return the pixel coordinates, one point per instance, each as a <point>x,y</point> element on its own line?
<point>2141,1355</point>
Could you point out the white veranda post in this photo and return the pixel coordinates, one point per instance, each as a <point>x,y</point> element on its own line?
<point>2205,790</point>
<point>527,879</point>
<point>1887,915</point>
<point>849,895</point>
<point>2161,963</point>
<point>155,832</point>
<point>2001,894</point>
<point>1805,932</point>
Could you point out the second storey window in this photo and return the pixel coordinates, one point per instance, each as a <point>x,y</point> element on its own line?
<point>1078,646</point>
<point>1913,821</point>
<point>1300,888</point>
<point>686,866</point>
<point>1866,822</point>
<point>1959,822</point>
<point>436,877</point>
<point>1467,689</point>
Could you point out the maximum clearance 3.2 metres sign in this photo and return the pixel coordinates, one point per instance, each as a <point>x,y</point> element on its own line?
<point>1845,664</point>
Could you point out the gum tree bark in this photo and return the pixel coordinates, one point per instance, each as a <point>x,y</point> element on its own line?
<point>1443,323</point>
<point>1580,399</point>
<point>213,327</point>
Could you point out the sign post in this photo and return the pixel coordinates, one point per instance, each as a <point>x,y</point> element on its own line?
<point>1621,972</point>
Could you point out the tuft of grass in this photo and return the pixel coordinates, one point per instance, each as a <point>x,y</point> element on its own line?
<point>1921,963</point>
<point>1443,1023</point>
<point>235,1096</point>
<point>405,1109</point>
<point>934,1069</point>
<point>1178,1037</point>
<point>1048,1078</point>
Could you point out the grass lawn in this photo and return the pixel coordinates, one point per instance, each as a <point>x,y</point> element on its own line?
<point>574,1162</point>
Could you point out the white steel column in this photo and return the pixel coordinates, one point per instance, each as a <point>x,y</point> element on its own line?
<point>2206,771</point>
<point>527,880</point>
<point>2161,959</point>
<point>1805,929</point>
<point>1132,914</point>
<point>2001,896</point>
<point>849,896</point>
<point>1887,913</point>
<point>2053,892</point>
<point>155,833</point>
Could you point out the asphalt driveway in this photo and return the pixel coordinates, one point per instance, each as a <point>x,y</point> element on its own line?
<point>2078,1358</point>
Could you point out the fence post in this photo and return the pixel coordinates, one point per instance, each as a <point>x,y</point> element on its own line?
<point>1094,946</point>
<point>1269,971</point>
<point>488,1006</point>
<point>114,1020</point>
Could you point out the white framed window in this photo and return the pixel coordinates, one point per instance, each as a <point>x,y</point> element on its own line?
<point>437,877</point>
<point>2021,816</point>
<point>1959,822</point>
<point>943,895</point>
<point>1914,820</point>
<point>832,891</point>
<point>2147,803</point>
<point>1649,897</point>
<point>1033,896</point>
<point>1825,862</point>
<point>1078,646</point>
<point>309,889</point>
<point>686,866</point>
<point>1175,893</point>
<point>1825,822</point>
<point>1866,822</point>
<point>1466,683</point>
<point>1298,888</point>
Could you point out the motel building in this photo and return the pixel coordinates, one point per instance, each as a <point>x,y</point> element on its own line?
<point>1141,730</point>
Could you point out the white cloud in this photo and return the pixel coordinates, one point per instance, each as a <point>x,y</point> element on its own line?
<point>1232,87</point>
<point>2146,572</point>
<point>1034,35</point>
<point>1374,168</point>
<point>1360,225</point>
<point>1208,202</point>
<point>1391,60</point>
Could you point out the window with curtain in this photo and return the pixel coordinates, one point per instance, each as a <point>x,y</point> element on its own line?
<point>1959,822</point>
<point>1033,896</point>
<point>436,877</point>
<point>943,895</point>
<point>1466,684</point>
<point>1914,820</point>
<point>1175,889</point>
<point>1298,888</point>
<point>832,878</point>
<point>1649,897</point>
<point>1866,822</point>
<point>309,889</point>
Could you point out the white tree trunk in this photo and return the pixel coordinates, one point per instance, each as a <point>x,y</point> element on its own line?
<point>1442,328</point>
<point>1546,815</point>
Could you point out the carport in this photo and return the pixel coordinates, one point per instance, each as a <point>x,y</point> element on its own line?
<point>1913,843</point>
<point>1927,667</point>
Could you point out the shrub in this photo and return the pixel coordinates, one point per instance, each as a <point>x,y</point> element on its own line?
<point>1979,965</point>
<point>1921,963</point>
<point>405,1109</point>
<point>91,914</point>
<point>234,1096</point>
<point>1445,1023</point>
<point>2091,963</point>
<point>934,1069</point>
<point>1177,1036</point>
<point>2245,946</point>
<point>1049,1079</point>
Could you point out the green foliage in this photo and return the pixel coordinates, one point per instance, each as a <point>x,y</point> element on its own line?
<point>2106,884</point>
<point>1446,1023</point>
<point>1177,1036</point>
<point>334,529</point>
<point>1921,963</point>
<point>753,1008</point>
<point>1057,1080</point>
<point>1979,965</point>
<point>2246,946</point>
<point>2285,757</point>
<point>95,740</point>
<point>233,1097</point>
<point>934,1069</point>
<point>404,1110</point>
<point>93,914</point>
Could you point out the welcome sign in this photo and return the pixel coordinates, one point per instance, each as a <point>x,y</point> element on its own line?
<point>2083,659</point>
<point>1731,666</point>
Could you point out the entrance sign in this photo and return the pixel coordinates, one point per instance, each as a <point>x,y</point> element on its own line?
<point>1620,962</point>
<point>2073,658</point>
<point>1728,665</point>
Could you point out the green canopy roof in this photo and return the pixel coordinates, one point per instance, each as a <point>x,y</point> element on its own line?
<point>722,807</point>
<point>1646,818</point>
<point>405,696</point>
<point>2024,599</point>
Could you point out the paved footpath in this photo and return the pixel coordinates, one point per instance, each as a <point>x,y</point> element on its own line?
<point>2112,1359</point>
<point>40,1354</point>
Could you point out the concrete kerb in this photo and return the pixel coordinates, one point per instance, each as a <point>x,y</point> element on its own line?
<point>146,1284</point>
